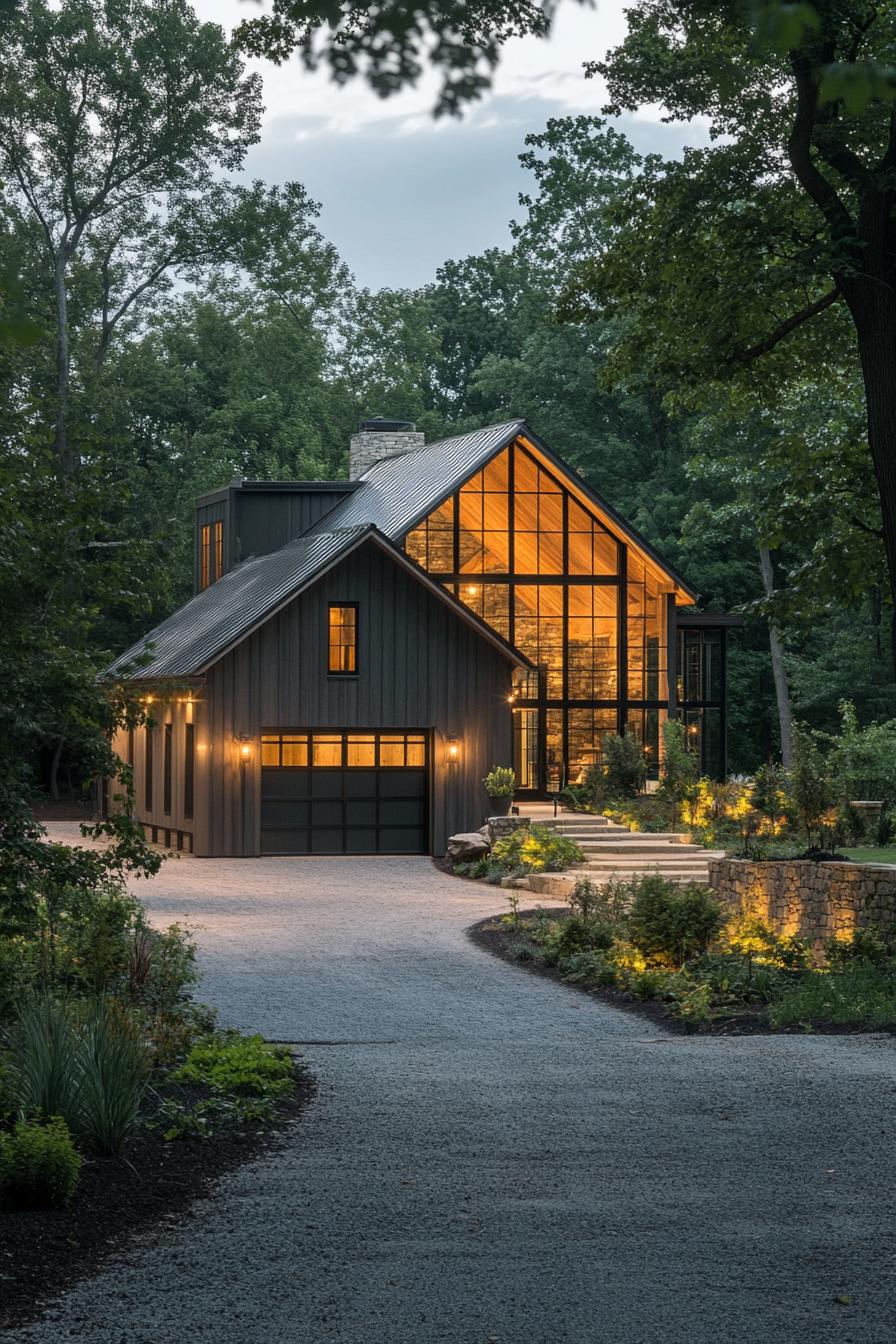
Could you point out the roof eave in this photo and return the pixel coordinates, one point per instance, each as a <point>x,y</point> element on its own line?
<point>616,518</point>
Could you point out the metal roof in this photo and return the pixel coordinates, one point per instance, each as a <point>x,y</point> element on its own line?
<point>399,490</point>
<point>225,613</point>
<point>391,497</point>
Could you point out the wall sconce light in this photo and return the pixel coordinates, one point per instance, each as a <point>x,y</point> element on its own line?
<point>245,747</point>
<point>453,745</point>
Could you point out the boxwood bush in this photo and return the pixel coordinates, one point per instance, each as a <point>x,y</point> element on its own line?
<point>39,1166</point>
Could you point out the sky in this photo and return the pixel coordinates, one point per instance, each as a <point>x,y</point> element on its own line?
<point>401,192</point>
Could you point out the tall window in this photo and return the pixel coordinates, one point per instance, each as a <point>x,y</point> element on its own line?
<point>521,546</point>
<point>343,639</point>
<point>205,547</point>
<point>166,768</point>
<point>189,770</point>
<point>219,549</point>
<point>148,767</point>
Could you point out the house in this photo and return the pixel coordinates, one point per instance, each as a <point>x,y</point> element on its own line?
<point>358,654</point>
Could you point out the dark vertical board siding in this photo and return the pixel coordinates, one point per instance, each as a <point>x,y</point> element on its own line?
<point>422,667</point>
<point>266,520</point>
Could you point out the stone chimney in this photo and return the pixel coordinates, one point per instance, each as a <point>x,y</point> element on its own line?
<point>380,438</point>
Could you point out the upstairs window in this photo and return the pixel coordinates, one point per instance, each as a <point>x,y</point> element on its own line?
<point>205,549</point>
<point>342,659</point>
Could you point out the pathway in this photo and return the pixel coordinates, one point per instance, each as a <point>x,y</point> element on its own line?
<point>493,1157</point>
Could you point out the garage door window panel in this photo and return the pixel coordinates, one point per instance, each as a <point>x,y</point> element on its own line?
<point>344,792</point>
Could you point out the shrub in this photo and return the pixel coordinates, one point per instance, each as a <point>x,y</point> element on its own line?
<point>44,1073</point>
<point>672,923</point>
<point>576,934</point>
<point>522,950</point>
<point>886,826</point>
<point>536,850</point>
<point>866,945</point>
<point>679,769</point>
<point>863,760</point>
<point>810,787</point>
<point>500,782</point>
<point>691,1002</point>
<point>229,1062</point>
<point>88,1065</point>
<point>114,1069</point>
<point>753,939</point>
<point>588,968</point>
<point>625,769</point>
<point>608,904</point>
<point>39,1167</point>
<point>161,967</point>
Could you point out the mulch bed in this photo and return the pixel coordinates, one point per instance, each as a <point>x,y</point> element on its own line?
<point>495,937</point>
<point>44,1251</point>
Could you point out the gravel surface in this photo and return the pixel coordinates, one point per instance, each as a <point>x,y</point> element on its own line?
<point>492,1157</point>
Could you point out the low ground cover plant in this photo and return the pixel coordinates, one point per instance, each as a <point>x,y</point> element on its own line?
<point>655,941</point>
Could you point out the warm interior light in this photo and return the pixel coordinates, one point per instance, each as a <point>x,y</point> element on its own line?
<point>472,590</point>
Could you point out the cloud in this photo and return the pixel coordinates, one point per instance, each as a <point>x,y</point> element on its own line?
<point>404,194</point>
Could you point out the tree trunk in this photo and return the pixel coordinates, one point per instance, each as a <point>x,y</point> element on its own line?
<point>63,360</point>
<point>54,770</point>
<point>876,328</point>
<point>779,671</point>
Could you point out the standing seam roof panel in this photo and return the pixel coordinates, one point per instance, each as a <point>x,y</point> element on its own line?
<point>398,490</point>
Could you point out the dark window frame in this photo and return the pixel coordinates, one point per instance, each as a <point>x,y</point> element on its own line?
<point>355,646</point>
<point>219,548</point>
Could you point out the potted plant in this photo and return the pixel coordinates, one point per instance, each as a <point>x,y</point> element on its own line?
<point>500,783</point>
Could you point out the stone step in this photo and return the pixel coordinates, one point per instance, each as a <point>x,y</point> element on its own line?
<point>592,824</point>
<point>645,860</point>
<point>616,845</point>
<point>561,884</point>
<point>591,831</point>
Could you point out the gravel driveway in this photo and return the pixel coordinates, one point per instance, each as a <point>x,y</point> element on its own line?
<point>492,1157</point>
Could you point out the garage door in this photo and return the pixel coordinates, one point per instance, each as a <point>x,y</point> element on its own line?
<point>344,793</point>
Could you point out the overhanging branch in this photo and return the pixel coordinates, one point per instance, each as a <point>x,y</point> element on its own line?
<point>796,320</point>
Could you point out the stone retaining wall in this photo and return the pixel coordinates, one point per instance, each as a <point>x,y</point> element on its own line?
<point>817,901</point>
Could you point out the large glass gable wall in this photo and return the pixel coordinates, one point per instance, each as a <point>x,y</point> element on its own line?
<point>538,565</point>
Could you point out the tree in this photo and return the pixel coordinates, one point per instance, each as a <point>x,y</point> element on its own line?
<point>113,114</point>
<point>786,227</point>
<point>391,43</point>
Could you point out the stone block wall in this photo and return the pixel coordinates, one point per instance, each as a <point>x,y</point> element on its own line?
<point>816,901</point>
<point>369,446</point>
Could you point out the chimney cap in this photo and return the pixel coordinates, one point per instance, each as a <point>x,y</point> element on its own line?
<point>379,425</point>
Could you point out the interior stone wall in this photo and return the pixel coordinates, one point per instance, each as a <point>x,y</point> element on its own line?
<point>816,901</point>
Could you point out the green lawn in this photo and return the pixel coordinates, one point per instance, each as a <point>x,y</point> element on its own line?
<point>870,855</point>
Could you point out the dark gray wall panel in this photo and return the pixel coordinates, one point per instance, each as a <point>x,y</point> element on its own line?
<point>421,667</point>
